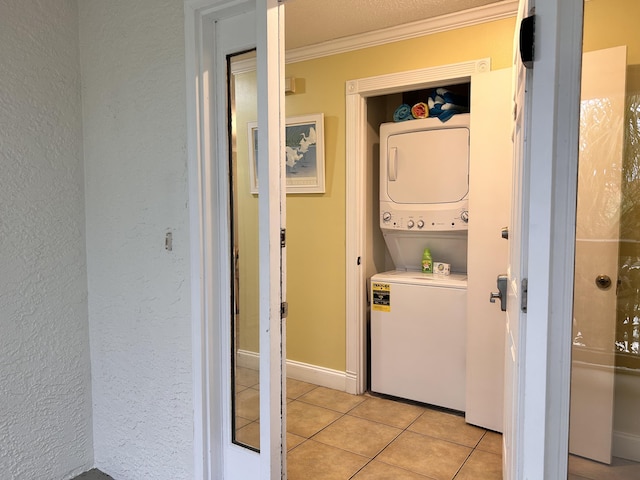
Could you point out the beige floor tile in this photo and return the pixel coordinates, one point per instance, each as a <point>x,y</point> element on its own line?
<point>425,455</point>
<point>239,387</point>
<point>249,435</point>
<point>447,426</point>
<point>293,440</point>
<point>248,404</point>
<point>481,466</point>
<point>247,376</point>
<point>317,461</point>
<point>332,399</point>
<point>619,469</point>
<point>381,471</point>
<point>297,388</point>
<point>491,442</point>
<point>394,414</point>
<point>306,420</point>
<point>358,435</point>
<point>241,422</point>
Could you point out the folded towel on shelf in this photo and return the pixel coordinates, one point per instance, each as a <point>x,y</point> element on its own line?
<point>443,104</point>
<point>402,113</point>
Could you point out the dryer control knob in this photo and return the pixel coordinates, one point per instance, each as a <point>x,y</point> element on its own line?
<point>464,216</point>
<point>410,224</point>
<point>420,224</point>
<point>386,216</point>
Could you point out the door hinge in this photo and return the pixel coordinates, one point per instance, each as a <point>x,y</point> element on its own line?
<point>283,237</point>
<point>527,40</point>
<point>523,295</point>
<point>284,309</point>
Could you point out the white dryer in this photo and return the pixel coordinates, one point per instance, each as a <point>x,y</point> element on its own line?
<point>424,190</point>
<point>424,175</point>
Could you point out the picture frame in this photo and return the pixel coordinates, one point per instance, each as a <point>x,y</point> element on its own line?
<point>304,156</point>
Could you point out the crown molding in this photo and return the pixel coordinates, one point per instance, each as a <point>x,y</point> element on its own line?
<point>243,66</point>
<point>465,18</point>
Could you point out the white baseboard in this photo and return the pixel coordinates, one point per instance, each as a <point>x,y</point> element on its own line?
<point>324,377</point>
<point>305,372</point>
<point>351,383</point>
<point>248,359</point>
<point>626,445</point>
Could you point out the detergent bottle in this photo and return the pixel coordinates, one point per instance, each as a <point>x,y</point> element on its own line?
<point>427,262</point>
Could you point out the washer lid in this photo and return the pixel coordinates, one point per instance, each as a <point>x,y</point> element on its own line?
<point>418,278</point>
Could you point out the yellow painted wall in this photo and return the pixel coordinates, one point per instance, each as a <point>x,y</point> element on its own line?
<point>609,23</point>
<point>316,223</point>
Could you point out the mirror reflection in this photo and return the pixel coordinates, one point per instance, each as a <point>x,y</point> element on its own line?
<point>244,241</point>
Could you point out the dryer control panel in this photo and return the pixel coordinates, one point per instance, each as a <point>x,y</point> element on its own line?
<point>434,220</point>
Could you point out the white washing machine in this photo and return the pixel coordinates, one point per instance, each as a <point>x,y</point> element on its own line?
<point>418,337</point>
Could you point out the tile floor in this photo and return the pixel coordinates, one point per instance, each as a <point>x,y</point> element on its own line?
<point>332,435</point>
<point>336,436</point>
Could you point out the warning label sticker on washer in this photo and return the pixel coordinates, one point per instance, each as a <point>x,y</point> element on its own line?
<point>381,297</point>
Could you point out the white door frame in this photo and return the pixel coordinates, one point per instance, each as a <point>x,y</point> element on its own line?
<point>357,92</point>
<point>215,456</point>
<point>205,241</point>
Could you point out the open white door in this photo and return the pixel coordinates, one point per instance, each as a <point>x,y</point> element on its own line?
<point>542,234</point>
<point>215,29</point>
<point>517,269</point>
<point>491,152</point>
<point>597,240</point>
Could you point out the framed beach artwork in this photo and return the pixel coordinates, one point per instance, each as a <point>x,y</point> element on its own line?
<point>304,157</point>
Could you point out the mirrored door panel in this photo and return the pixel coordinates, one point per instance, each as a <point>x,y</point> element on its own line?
<point>243,111</point>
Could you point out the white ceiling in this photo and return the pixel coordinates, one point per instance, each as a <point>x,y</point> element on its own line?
<point>309,22</point>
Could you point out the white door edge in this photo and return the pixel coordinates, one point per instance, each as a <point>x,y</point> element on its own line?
<point>545,346</point>
<point>270,74</point>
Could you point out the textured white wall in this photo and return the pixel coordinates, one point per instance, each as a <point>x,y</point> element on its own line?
<point>134,121</point>
<point>45,391</point>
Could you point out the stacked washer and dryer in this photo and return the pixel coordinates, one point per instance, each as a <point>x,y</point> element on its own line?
<point>418,320</point>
